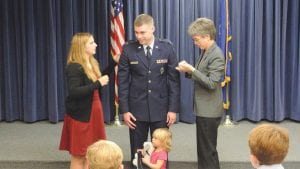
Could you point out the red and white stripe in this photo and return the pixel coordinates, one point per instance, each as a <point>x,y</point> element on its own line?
<point>117,38</point>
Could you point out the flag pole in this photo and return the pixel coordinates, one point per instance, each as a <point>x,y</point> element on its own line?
<point>117,121</point>
<point>117,38</point>
<point>227,121</point>
<point>224,40</point>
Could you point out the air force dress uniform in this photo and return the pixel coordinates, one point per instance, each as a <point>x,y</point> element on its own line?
<point>148,87</point>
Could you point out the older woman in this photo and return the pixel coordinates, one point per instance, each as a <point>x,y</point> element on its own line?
<point>206,74</point>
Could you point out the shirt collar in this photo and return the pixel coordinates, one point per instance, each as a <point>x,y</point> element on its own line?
<point>274,166</point>
<point>151,45</point>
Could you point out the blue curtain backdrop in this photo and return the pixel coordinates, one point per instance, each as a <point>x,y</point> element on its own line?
<point>35,37</point>
<point>266,60</point>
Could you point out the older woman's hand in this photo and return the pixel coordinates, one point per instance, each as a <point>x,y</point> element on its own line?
<point>116,58</point>
<point>185,67</point>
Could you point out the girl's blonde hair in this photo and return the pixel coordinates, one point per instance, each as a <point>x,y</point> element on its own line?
<point>77,55</point>
<point>165,137</point>
<point>104,154</point>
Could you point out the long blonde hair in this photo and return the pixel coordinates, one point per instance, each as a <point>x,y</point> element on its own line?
<point>77,55</point>
<point>164,136</point>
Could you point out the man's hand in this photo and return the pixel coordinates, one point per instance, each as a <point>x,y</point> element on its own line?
<point>171,118</point>
<point>129,120</point>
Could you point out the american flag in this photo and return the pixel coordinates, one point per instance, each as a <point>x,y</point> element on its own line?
<point>117,35</point>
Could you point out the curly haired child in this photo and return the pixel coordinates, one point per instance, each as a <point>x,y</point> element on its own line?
<point>161,141</point>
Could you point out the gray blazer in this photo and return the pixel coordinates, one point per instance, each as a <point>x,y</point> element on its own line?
<point>208,98</point>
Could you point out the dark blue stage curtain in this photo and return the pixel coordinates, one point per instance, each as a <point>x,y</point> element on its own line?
<point>266,60</point>
<point>35,37</point>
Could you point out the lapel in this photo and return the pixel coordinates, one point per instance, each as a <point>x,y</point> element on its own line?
<point>155,52</point>
<point>141,54</point>
<point>200,59</point>
<point>205,55</point>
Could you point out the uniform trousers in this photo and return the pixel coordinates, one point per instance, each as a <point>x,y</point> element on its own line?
<point>207,132</point>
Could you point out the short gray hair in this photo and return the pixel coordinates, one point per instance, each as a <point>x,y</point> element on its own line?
<point>202,26</point>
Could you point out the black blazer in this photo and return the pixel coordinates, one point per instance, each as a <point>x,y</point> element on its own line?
<point>80,91</point>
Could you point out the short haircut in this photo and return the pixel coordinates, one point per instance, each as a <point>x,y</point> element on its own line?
<point>104,154</point>
<point>202,26</point>
<point>143,19</point>
<point>165,136</point>
<point>269,143</point>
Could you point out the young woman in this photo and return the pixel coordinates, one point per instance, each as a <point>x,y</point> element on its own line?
<point>84,121</point>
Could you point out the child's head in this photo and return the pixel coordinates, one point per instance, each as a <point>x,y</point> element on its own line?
<point>268,144</point>
<point>104,154</point>
<point>164,136</point>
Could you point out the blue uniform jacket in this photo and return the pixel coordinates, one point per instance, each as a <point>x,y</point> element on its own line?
<point>148,89</point>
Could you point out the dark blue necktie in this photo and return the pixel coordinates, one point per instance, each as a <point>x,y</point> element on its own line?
<point>148,54</point>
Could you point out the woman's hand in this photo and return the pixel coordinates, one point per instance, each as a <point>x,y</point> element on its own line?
<point>103,80</point>
<point>116,58</point>
<point>183,66</point>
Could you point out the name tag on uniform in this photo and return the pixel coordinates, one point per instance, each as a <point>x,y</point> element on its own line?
<point>134,62</point>
<point>161,61</point>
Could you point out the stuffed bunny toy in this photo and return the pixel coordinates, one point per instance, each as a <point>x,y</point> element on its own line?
<point>147,150</point>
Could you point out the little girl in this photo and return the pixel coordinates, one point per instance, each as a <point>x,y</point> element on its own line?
<point>161,141</point>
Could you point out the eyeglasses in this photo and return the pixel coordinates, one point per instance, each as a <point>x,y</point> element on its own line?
<point>199,38</point>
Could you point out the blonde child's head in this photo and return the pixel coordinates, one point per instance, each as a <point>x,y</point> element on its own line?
<point>269,144</point>
<point>104,154</point>
<point>164,136</point>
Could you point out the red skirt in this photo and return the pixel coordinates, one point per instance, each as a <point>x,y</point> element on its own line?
<point>77,136</point>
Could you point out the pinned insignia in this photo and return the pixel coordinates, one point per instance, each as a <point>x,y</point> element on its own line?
<point>134,62</point>
<point>161,61</point>
<point>162,70</point>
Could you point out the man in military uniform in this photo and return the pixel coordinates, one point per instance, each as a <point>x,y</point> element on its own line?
<point>148,83</point>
